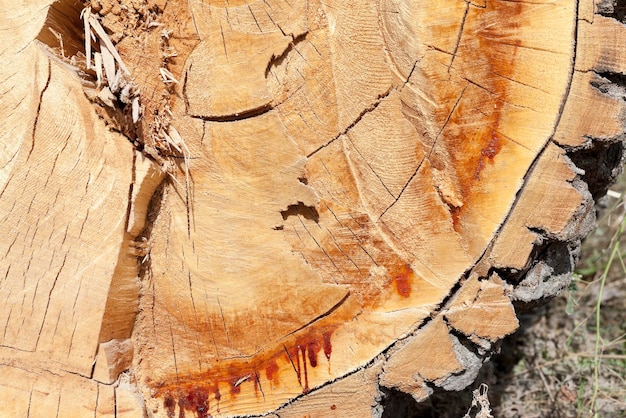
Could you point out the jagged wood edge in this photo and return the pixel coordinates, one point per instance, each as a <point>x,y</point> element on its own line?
<point>611,151</point>
<point>372,370</point>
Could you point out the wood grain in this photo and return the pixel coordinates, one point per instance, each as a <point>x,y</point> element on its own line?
<point>320,198</point>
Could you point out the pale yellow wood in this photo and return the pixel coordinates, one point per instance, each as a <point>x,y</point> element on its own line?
<point>481,309</point>
<point>105,407</point>
<point>114,357</point>
<point>399,171</point>
<point>38,393</point>
<point>147,177</point>
<point>128,402</point>
<point>602,50</point>
<point>408,372</point>
<point>352,396</point>
<point>567,213</point>
<point>64,212</point>
<point>283,200</point>
<point>578,123</point>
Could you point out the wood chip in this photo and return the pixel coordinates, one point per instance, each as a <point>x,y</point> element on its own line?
<point>104,39</point>
<point>99,65</point>
<point>136,110</point>
<point>85,16</point>
<point>178,141</point>
<point>107,97</point>
<point>168,77</point>
<point>109,65</point>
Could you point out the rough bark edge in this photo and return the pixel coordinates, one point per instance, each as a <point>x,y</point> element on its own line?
<point>554,263</point>
<point>555,258</point>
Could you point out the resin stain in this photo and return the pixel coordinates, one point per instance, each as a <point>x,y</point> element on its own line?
<point>403,280</point>
<point>488,153</point>
<point>201,394</point>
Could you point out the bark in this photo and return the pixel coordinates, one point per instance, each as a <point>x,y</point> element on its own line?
<point>226,208</point>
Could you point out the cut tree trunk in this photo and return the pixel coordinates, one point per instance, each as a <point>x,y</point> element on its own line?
<point>222,208</point>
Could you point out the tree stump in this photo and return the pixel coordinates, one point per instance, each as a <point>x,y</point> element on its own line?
<point>246,207</point>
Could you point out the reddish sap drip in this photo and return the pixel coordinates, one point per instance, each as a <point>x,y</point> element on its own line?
<point>494,147</point>
<point>169,404</point>
<point>271,371</point>
<point>305,352</point>
<point>256,383</point>
<point>403,281</point>
<point>328,348</point>
<point>201,399</point>
<point>235,386</point>
<point>489,152</point>
<point>195,397</point>
<point>197,400</point>
<point>312,349</point>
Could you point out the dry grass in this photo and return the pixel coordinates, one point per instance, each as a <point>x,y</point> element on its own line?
<point>481,407</point>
